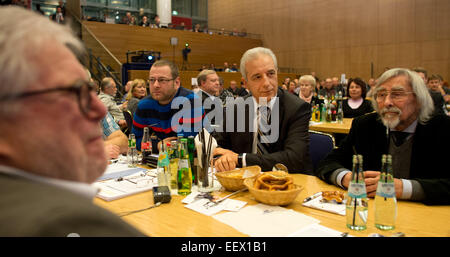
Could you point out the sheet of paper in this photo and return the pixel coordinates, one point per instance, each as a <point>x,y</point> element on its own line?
<point>202,206</point>
<point>266,221</point>
<point>316,230</point>
<point>325,206</point>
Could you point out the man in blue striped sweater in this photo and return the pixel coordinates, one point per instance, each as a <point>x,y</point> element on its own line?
<point>169,109</point>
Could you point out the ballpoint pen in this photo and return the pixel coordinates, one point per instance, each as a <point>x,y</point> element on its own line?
<point>314,196</point>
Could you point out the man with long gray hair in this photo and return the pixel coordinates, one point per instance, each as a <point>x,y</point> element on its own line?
<point>405,127</point>
<point>51,148</point>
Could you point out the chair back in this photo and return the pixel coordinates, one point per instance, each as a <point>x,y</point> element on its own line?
<point>129,119</point>
<point>320,145</point>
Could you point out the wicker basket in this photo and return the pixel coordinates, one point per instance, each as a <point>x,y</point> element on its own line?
<point>232,180</point>
<point>273,197</point>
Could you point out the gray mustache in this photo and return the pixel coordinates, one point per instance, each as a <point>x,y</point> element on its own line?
<point>391,109</point>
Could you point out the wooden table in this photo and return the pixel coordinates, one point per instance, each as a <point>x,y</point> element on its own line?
<point>333,127</point>
<point>174,220</point>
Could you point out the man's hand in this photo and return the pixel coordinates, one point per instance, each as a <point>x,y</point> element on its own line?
<point>228,160</point>
<point>112,151</point>
<point>371,179</point>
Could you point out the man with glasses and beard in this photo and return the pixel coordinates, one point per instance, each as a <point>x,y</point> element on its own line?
<point>170,109</point>
<point>403,126</point>
<point>51,148</point>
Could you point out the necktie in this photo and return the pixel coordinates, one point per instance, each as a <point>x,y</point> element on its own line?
<point>399,137</point>
<point>263,130</point>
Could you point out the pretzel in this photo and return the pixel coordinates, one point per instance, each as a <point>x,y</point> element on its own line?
<point>274,181</point>
<point>333,195</point>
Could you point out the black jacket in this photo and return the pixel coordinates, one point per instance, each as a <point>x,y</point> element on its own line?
<point>292,146</point>
<point>429,165</point>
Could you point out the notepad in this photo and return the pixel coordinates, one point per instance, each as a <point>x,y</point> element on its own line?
<point>113,189</point>
<point>118,169</point>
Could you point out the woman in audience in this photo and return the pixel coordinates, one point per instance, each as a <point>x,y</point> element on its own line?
<point>137,92</point>
<point>307,85</point>
<point>356,104</point>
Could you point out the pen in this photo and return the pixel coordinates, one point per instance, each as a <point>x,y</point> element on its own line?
<point>314,196</point>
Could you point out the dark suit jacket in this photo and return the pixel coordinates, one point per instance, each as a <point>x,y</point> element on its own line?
<point>30,208</point>
<point>292,147</point>
<point>429,165</point>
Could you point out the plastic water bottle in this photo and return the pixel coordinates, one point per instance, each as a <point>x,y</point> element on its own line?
<point>385,200</point>
<point>357,202</point>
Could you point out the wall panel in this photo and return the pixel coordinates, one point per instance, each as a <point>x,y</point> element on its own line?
<point>336,36</point>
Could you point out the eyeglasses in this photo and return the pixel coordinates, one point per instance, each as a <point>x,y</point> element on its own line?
<point>396,95</point>
<point>161,81</point>
<point>81,88</point>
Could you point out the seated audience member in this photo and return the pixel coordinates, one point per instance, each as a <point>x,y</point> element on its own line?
<point>108,90</point>
<point>127,18</point>
<point>144,22</point>
<point>281,119</point>
<point>116,142</point>
<point>197,28</point>
<point>234,89</point>
<point>307,85</point>
<point>156,22</point>
<point>224,95</point>
<point>435,83</point>
<point>135,94</point>
<point>356,104</point>
<point>234,68</point>
<point>208,81</point>
<point>127,88</point>
<point>51,148</point>
<point>160,110</point>
<point>226,68</point>
<point>438,100</point>
<point>291,88</point>
<point>327,91</point>
<point>403,126</point>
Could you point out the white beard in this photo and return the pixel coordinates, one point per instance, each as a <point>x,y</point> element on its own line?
<point>390,120</point>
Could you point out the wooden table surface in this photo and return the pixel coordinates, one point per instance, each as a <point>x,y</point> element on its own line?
<point>174,220</point>
<point>333,127</point>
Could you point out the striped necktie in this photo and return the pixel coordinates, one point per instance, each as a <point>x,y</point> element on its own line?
<point>263,130</point>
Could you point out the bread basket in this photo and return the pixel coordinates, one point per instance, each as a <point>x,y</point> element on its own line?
<point>273,197</point>
<point>232,180</point>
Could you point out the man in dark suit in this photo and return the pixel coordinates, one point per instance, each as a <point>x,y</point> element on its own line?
<point>51,147</point>
<point>276,122</point>
<point>405,127</point>
<point>208,81</point>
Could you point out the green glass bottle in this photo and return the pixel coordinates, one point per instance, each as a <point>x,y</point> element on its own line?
<point>184,170</point>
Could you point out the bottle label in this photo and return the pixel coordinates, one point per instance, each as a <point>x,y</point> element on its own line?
<point>386,190</point>
<point>145,146</point>
<point>357,190</point>
<point>163,160</point>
